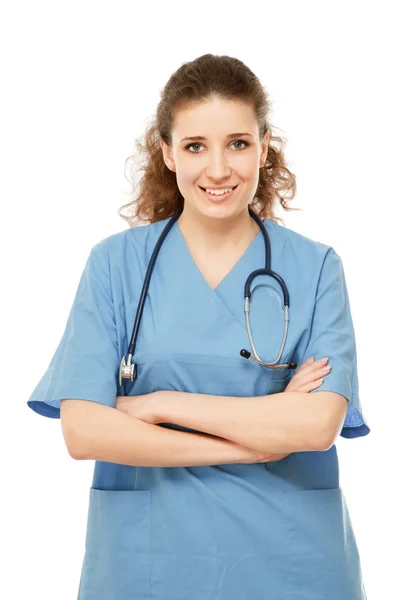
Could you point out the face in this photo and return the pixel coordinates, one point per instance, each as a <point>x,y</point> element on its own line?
<point>218,159</point>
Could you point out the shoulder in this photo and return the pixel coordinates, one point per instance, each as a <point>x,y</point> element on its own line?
<point>301,249</point>
<point>135,242</point>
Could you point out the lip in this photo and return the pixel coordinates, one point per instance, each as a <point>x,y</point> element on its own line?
<point>218,198</point>
<point>220,187</point>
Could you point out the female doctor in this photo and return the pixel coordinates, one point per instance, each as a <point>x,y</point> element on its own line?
<point>216,473</point>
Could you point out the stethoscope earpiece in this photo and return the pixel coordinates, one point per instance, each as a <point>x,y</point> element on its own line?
<point>290,365</point>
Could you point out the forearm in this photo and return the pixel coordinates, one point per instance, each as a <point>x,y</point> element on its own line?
<point>109,435</point>
<point>284,422</point>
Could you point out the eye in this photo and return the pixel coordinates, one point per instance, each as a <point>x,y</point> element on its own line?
<point>190,145</point>
<point>241,142</point>
<point>197,144</point>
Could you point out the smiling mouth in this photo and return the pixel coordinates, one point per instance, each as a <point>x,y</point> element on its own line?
<point>218,198</point>
<point>227,188</point>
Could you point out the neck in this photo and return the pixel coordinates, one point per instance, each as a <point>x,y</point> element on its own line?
<point>216,234</point>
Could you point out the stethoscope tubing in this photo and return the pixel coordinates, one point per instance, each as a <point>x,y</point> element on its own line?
<point>127,369</point>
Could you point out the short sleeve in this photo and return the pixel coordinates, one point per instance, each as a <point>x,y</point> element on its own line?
<point>86,362</point>
<point>332,334</point>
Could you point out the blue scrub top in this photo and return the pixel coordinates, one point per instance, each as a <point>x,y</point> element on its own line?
<point>221,532</point>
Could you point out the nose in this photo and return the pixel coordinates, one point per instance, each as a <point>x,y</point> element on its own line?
<point>218,167</point>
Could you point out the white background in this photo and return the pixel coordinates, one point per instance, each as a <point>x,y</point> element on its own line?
<point>79,80</point>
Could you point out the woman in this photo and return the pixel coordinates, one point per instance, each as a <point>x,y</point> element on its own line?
<point>216,477</point>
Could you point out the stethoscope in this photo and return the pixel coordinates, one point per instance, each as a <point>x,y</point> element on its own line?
<point>127,370</point>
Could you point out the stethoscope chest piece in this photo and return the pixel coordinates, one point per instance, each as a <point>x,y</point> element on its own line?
<point>127,370</point>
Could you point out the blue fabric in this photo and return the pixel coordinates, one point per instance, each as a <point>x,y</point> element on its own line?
<point>227,532</point>
<point>332,334</point>
<point>86,362</point>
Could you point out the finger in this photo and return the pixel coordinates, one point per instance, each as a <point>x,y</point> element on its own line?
<point>308,386</point>
<point>307,372</point>
<point>305,364</point>
<point>313,369</point>
<point>307,376</point>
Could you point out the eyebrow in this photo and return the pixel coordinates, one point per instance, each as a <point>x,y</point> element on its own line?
<point>199,137</point>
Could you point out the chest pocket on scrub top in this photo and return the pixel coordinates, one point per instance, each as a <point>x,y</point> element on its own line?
<point>278,385</point>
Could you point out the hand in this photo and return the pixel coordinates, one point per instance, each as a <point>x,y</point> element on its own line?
<point>141,407</point>
<point>307,377</point>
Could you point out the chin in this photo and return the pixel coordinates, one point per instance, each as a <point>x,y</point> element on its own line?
<point>221,212</point>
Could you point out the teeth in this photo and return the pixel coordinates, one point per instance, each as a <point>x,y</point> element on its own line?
<point>219,192</point>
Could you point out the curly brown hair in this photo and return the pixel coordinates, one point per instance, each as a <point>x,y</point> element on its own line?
<point>208,76</point>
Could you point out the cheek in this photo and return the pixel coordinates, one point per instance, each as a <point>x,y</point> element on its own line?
<point>250,174</point>
<point>189,172</point>
<point>187,175</point>
<point>246,167</point>
<point>248,177</point>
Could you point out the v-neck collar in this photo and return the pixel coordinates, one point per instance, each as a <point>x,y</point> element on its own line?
<point>231,270</point>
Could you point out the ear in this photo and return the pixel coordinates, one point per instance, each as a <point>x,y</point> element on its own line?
<point>167,153</point>
<point>264,150</point>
